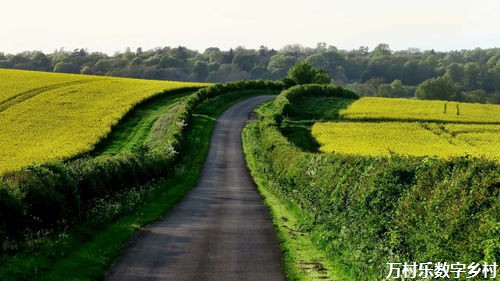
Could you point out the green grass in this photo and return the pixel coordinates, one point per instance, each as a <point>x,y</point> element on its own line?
<point>319,108</point>
<point>297,127</point>
<point>302,259</point>
<point>139,127</point>
<point>301,136</point>
<point>85,253</point>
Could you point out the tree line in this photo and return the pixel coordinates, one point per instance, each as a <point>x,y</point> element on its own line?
<point>465,75</point>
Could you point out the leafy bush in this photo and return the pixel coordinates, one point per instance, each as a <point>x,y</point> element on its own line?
<point>285,101</point>
<point>304,73</point>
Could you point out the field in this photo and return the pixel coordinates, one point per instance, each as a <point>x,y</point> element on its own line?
<point>47,116</point>
<point>412,127</point>
<point>411,138</point>
<point>421,110</point>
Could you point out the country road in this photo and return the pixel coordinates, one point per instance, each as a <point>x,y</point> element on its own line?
<point>221,231</point>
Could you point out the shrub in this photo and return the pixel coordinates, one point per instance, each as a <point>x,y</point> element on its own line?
<point>304,73</point>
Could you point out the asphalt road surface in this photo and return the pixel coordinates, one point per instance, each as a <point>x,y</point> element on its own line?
<point>221,231</point>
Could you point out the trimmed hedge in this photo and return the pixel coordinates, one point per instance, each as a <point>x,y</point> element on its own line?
<point>56,195</point>
<point>284,103</point>
<point>366,211</point>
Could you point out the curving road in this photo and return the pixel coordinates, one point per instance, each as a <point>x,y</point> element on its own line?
<point>221,231</point>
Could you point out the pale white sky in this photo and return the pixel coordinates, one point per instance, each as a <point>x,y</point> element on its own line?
<point>112,25</point>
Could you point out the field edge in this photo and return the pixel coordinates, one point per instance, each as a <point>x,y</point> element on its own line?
<point>303,260</point>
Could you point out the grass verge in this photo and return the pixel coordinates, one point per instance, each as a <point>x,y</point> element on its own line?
<point>136,128</point>
<point>319,108</point>
<point>85,252</point>
<point>302,259</point>
<point>297,128</point>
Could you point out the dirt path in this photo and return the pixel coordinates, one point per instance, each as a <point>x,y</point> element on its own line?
<point>221,231</point>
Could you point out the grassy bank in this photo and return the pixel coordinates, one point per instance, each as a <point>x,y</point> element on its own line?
<point>302,258</point>
<point>137,129</point>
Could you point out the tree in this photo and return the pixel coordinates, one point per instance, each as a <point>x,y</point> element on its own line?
<point>304,73</point>
<point>455,72</point>
<point>128,55</point>
<point>227,73</point>
<point>476,96</point>
<point>214,55</point>
<point>64,67</point>
<point>86,70</point>
<point>394,90</point>
<point>181,53</point>
<point>18,59</point>
<point>491,80</point>
<point>328,61</point>
<point>382,49</point>
<point>168,61</point>
<point>472,75</point>
<point>41,61</point>
<point>280,64</point>
<point>5,64</point>
<point>102,66</point>
<point>245,61</point>
<point>200,71</point>
<point>441,88</point>
<point>136,62</point>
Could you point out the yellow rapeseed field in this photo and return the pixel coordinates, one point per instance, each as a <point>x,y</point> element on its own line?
<point>405,109</point>
<point>48,116</point>
<point>15,83</point>
<point>409,138</point>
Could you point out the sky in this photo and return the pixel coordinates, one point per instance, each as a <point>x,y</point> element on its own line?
<point>112,25</point>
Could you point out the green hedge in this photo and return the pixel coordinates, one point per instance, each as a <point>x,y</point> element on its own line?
<point>52,196</point>
<point>284,103</point>
<point>366,211</point>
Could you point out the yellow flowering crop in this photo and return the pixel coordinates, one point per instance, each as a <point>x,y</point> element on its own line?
<point>425,110</point>
<point>48,116</point>
<point>411,138</point>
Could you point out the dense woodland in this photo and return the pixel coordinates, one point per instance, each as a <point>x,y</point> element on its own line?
<point>466,75</point>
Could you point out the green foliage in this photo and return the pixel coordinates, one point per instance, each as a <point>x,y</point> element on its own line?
<point>441,88</point>
<point>64,67</point>
<point>367,211</point>
<point>287,100</point>
<point>470,70</point>
<point>382,50</point>
<point>280,64</point>
<point>394,90</point>
<point>304,73</point>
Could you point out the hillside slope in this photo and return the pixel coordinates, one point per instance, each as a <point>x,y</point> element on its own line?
<point>47,116</point>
